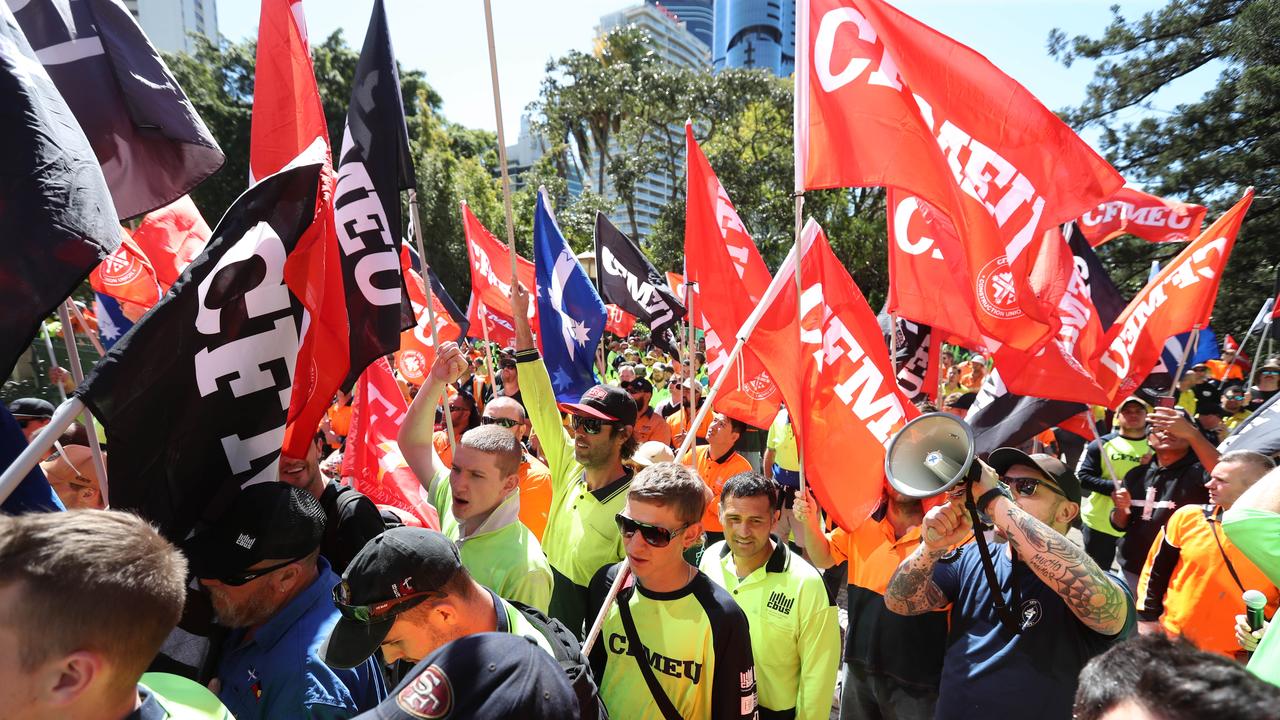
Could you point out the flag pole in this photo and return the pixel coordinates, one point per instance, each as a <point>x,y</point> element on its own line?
<point>1182,364</point>
<point>488,346</point>
<point>690,349</point>
<point>1258,359</point>
<point>502,140</point>
<point>624,571</point>
<point>53,359</point>
<point>1106,459</point>
<point>40,444</point>
<point>93,338</point>
<point>431,310</point>
<point>799,230</point>
<point>73,355</point>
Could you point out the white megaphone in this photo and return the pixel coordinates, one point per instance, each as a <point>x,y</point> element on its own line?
<point>930,455</point>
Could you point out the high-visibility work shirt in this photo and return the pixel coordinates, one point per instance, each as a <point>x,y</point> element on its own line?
<point>714,472</point>
<point>652,426</point>
<point>581,535</point>
<point>782,441</point>
<point>502,554</point>
<point>909,649</point>
<point>1125,454</point>
<point>794,626</point>
<point>1186,578</point>
<point>682,419</point>
<point>1257,534</point>
<point>696,640</point>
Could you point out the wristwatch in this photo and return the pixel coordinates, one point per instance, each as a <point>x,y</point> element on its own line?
<point>986,499</point>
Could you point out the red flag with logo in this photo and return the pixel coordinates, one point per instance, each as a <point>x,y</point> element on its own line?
<point>372,462</point>
<point>838,374</point>
<point>723,267</point>
<point>1154,219</point>
<point>619,321</point>
<point>127,275</point>
<point>1179,299</point>
<point>288,123</point>
<point>882,99</point>
<point>171,237</point>
<point>491,283</point>
<point>416,353</point>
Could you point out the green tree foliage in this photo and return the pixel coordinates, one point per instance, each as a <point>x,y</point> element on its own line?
<point>1205,151</point>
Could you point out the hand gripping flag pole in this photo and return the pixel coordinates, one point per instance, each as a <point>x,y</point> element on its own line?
<point>1102,450</point>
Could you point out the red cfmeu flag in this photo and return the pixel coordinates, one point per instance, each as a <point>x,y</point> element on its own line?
<point>417,352</point>
<point>288,125</point>
<point>1175,301</point>
<point>1154,219</point>
<point>838,374</point>
<point>720,257</point>
<point>619,321</point>
<point>490,306</point>
<point>372,462</point>
<point>171,237</point>
<point>127,275</point>
<point>883,100</point>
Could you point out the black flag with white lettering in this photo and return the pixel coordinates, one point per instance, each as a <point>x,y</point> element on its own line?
<point>1000,418</point>
<point>374,166</point>
<point>56,217</point>
<point>1106,297</point>
<point>194,397</point>
<point>627,279</point>
<point>1260,432</point>
<point>150,141</point>
<point>917,357</point>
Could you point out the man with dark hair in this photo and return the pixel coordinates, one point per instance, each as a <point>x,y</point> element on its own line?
<point>409,594</point>
<point>649,424</point>
<point>509,377</point>
<point>793,621</point>
<point>589,479</point>
<point>715,463</point>
<point>1194,579</point>
<point>1158,678</point>
<point>262,567</point>
<point>1126,448</point>
<point>87,597</point>
<point>1059,608</point>
<point>477,498</point>
<point>675,644</point>
<point>1234,411</point>
<point>32,415</point>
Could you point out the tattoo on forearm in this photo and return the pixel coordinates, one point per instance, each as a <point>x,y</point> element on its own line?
<point>911,586</point>
<point>1088,591</point>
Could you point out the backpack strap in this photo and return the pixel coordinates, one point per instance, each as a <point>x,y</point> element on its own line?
<point>637,650</point>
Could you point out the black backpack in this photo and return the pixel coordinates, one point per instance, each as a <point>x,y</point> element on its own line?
<point>568,652</point>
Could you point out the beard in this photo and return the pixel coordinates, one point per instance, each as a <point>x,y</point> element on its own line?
<point>249,612</point>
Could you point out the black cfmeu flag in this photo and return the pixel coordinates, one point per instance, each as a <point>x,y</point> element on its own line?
<point>195,396</point>
<point>914,353</point>
<point>627,279</point>
<point>1106,297</point>
<point>56,217</point>
<point>1260,432</point>
<point>374,166</point>
<point>151,143</point>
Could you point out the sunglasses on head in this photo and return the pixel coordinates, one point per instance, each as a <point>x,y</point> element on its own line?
<point>244,577</point>
<point>504,422</point>
<point>1026,487</point>
<point>655,535</point>
<point>374,612</point>
<point>590,426</point>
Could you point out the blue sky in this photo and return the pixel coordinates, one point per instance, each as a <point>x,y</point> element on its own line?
<point>446,40</point>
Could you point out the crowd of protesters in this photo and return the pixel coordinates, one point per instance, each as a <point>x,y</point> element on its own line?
<point>1114,582</point>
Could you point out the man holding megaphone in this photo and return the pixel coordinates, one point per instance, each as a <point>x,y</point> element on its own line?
<point>1017,645</point>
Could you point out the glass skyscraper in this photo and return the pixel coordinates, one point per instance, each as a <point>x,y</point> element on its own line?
<point>755,34</point>
<point>698,16</point>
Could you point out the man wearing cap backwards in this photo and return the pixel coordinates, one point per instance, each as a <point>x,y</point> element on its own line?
<point>1126,448</point>
<point>262,567</point>
<point>588,478</point>
<point>409,593</point>
<point>649,424</point>
<point>477,498</point>
<point>1067,609</point>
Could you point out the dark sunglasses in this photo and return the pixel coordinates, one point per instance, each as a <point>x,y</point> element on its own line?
<point>655,535</point>
<point>590,426</point>
<point>374,612</point>
<point>247,576</point>
<point>504,422</point>
<point>1026,487</point>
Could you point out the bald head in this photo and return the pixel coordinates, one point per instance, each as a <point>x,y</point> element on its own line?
<point>507,413</point>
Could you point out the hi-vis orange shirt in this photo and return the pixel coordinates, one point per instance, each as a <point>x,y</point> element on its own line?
<point>715,472</point>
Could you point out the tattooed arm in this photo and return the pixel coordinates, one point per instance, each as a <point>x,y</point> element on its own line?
<point>1093,596</point>
<point>911,590</point>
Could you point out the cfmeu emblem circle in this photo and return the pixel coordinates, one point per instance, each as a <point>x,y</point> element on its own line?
<point>429,696</point>
<point>120,269</point>
<point>995,290</point>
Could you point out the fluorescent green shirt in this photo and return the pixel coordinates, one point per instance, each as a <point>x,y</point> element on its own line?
<point>581,535</point>
<point>502,554</point>
<point>782,441</point>
<point>795,630</point>
<point>1256,533</point>
<point>1126,454</point>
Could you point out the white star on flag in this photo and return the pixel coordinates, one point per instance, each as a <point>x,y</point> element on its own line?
<point>579,332</point>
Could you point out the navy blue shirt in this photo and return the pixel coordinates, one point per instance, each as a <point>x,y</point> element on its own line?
<point>989,672</point>
<point>278,672</point>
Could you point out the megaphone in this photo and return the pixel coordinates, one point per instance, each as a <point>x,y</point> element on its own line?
<point>930,455</point>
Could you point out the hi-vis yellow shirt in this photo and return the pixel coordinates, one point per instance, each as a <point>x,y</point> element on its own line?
<point>696,642</point>
<point>795,629</point>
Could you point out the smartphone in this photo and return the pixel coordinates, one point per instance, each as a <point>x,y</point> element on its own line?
<point>1165,402</point>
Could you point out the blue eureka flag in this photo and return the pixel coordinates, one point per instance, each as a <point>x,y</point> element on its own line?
<point>571,316</point>
<point>112,323</point>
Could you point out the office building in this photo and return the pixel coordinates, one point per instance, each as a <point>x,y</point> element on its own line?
<point>169,24</point>
<point>697,15</point>
<point>755,34</point>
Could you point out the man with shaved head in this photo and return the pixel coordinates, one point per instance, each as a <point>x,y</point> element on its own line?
<point>535,478</point>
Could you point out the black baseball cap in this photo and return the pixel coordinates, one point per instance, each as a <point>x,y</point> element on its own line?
<point>31,408</point>
<point>485,676</point>
<point>267,521</point>
<point>639,385</point>
<point>605,402</point>
<point>1051,467</point>
<point>401,561</point>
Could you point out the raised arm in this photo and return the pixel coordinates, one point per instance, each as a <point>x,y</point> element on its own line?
<point>1172,422</point>
<point>911,590</point>
<point>418,428</point>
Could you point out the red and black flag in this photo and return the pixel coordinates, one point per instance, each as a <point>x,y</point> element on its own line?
<point>194,398</point>
<point>57,220</point>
